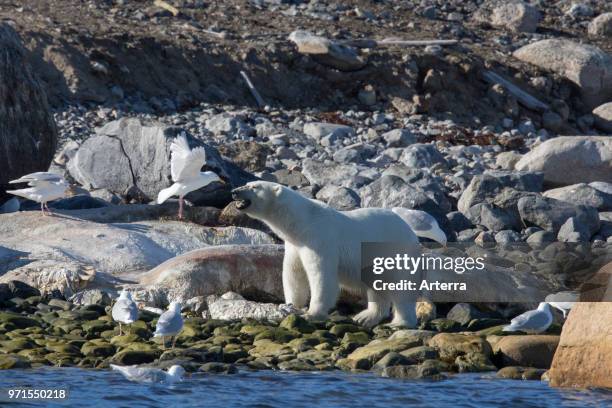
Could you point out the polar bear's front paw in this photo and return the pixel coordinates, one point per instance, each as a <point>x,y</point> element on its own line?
<point>368,318</point>
<point>315,316</point>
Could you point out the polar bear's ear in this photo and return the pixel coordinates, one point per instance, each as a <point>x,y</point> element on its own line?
<point>277,189</point>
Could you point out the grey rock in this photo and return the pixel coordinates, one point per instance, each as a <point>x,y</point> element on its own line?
<point>552,121</point>
<point>491,217</point>
<point>399,138</point>
<point>327,52</point>
<point>569,160</point>
<point>584,194</point>
<point>91,297</point>
<point>421,156</point>
<point>464,313</point>
<point>507,160</point>
<point>587,66</point>
<point>392,191</point>
<point>541,238</point>
<point>485,187</point>
<point>344,199</point>
<point>507,237</point>
<point>574,231</point>
<point>458,221</point>
<point>239,309</point>
<point>28,134</point>
<point>225,123</point>
<point>131,155</point>
<point>601,26</point>
<point>318,130</point>
<point>603,116</point>
<point>551,214</point>
<point>323,173</point>
<point>514,15</point>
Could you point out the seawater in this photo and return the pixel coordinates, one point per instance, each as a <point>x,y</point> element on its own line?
<point>103,388</point>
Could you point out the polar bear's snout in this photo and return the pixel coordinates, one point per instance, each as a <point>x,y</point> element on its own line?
<point>240,195</point>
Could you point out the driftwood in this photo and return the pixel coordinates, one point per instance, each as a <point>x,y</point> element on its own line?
<point>370,43</point>
<point>523,97</point>
<point>167,6</point>
<point>256,95</point>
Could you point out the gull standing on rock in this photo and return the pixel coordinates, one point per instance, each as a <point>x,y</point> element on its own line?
<point>150,374</point>
<point>170,323</point>
<point>533,321</point>
<point>423,224</point>
<point>185,165</point>
<point>125,310</point>
<point>44,187</point>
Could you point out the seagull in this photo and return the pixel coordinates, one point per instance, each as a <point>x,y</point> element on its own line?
<point>533,321</point>
<point>44,187</point>
<point>170,323</point>
<point>125,309</point>
<point>150,374</point>
<point>185,165</point>
<point>423,224</point>
<point>563,301</point>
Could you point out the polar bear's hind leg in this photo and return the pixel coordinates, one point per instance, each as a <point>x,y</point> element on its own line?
<point>378,309</point>
<point>404,315</point>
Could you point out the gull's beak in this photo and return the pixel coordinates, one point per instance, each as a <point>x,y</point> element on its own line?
<point>222,181</point>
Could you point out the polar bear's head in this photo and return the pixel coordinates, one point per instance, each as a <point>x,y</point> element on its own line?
<point>257,198</point>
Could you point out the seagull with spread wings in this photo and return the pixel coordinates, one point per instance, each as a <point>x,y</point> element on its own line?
<point>43,187</point>
<point>150,374</point>
<point>185,165</point>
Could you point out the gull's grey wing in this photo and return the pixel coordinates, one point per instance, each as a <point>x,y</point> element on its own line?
<point>38,178</point>
<point>531,320</point>
<point>169,322</point>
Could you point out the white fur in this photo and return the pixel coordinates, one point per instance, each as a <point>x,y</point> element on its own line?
<point>322,250</point>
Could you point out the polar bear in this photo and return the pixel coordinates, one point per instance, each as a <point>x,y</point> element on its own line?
<point>323,247</point>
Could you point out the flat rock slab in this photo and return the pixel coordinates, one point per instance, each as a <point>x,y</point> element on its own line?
<point>117,249</point>
<point>254,271</point>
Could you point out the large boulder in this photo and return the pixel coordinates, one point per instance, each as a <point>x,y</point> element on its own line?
<point>484,188</point>
<point>569,160</point>
<point>28,136</point>
<point>551,214</point>
<point>253,271</point>
<point>130,157</point>
<point>583,356</point>
<point>587,66</point>
<point>527,351</point>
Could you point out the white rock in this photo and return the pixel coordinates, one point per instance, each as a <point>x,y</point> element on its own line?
<point>601,26</point>
<point>569,160</point>
<point>603,116</point>
<point>587,66</point>
<point>223,309</point>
